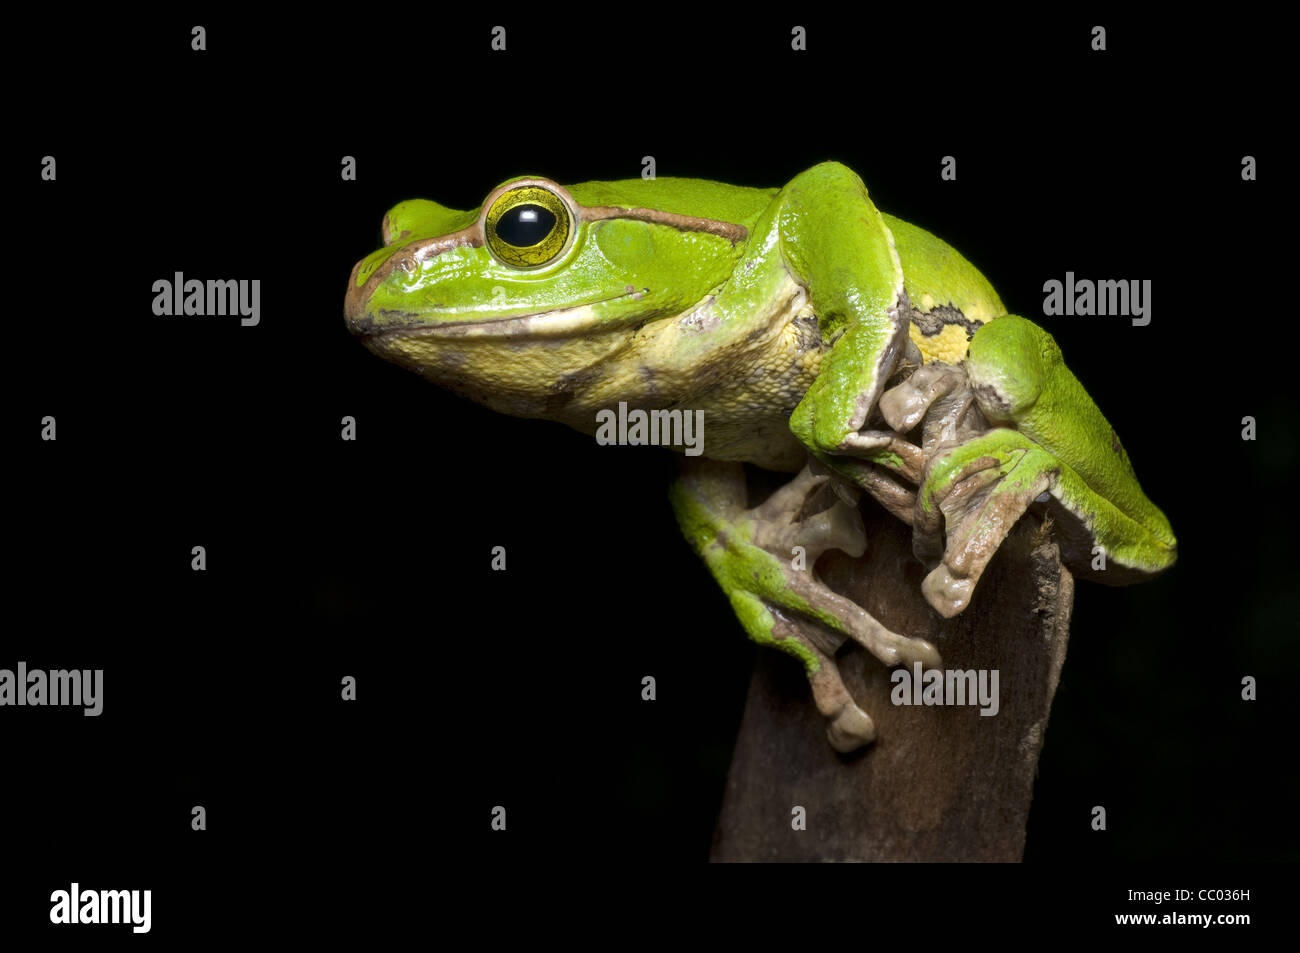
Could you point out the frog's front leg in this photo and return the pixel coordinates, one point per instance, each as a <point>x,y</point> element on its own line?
<point>835,243</point>
<point>753,555</point>
<point>1050,444</point>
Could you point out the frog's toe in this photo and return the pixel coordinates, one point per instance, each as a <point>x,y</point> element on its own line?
<point>857,623</point>
<point>908,651</point>
<point>947,593</point>
<point>848,727</point>
<point>893,497</point>
<point>904,405</point>
<point>850,730</point>
<point>887,449</point>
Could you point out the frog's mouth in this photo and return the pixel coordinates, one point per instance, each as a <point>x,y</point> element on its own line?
<point>556,323</point>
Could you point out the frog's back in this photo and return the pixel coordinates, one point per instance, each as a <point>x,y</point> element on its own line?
<point>950,298</point>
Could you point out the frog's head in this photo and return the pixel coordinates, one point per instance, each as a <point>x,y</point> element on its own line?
<point>513,302</point>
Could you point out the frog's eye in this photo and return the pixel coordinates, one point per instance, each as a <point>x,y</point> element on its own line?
<point>528,226</point>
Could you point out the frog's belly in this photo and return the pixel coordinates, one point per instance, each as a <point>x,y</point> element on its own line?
<point>747,414</point>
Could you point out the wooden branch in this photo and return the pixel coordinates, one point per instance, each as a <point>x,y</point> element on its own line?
<point>940,783</point>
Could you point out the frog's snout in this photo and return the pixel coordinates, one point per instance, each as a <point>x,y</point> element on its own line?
<point>359,322</point>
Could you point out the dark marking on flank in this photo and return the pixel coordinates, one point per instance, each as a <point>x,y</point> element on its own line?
<point>1118,448</point>
<point>808,334</point>
<point>566,388</point>
<point>932,322</point>
<point>991,400</point>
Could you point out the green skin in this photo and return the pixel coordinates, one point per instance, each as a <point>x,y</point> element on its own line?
<point>781,314</point>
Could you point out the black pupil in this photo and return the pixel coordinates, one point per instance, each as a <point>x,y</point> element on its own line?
<point>525,225</point>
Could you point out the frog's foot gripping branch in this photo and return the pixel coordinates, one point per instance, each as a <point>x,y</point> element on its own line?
<point>978,490</point>
<point>976,482</point>
<point>763,559</point>
<point>973,494</point>
<point>936,397</point>
<point>1010,428</point>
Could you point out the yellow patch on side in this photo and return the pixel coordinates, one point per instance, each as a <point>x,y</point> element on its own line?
<point>948,346</point>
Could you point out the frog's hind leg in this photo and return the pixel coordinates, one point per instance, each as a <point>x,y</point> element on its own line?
<point>763,558</point>
<point>1052,446</point>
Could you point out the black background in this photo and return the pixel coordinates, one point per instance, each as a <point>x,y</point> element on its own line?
<point>371,558</point>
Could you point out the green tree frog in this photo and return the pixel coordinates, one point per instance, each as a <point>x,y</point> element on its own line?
<point>816,334</point>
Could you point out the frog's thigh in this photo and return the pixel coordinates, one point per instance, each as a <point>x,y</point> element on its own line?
<point>1019,378</point>
<point>978,491</point>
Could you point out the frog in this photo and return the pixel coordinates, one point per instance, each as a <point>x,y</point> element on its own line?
<point>820,337</point>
